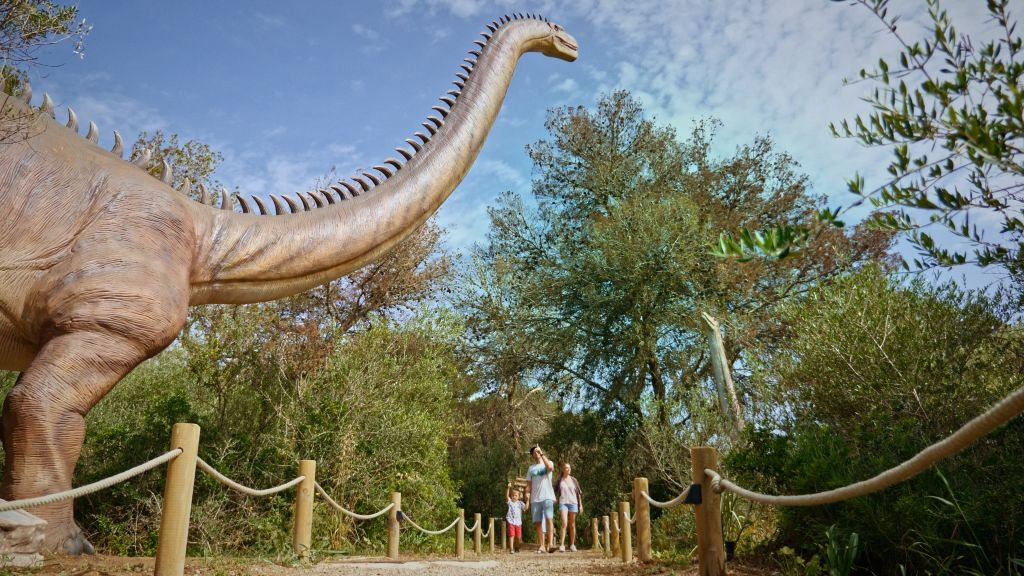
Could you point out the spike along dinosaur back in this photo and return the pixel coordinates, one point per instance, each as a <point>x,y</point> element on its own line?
<point>99,261</point>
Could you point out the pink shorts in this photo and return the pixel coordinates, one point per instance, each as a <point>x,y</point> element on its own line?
<point>515,531</point>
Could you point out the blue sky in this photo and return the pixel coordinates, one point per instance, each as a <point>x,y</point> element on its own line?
<point>289,90</point>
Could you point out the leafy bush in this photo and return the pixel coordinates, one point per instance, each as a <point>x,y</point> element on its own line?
<point>674,533</point>
<point>375,416</point>
<point>792,564</point>
<point>874,371</point>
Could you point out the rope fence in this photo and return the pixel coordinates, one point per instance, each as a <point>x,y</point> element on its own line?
<point>430,532</point>
<point>202,465</point>
<point>323,493</point>
<point>90,488</point>
<point>182,461</point>
<point>966,435</point>
<point>670,504</point>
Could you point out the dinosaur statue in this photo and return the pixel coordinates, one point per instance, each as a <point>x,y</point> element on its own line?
<point>99,261</point>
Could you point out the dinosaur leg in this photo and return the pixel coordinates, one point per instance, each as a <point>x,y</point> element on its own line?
<point>44,423</point>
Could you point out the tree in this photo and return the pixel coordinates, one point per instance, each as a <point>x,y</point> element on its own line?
<point>25,26</point>
<point>951,112</point>
<point>597,290</point>
<point>874,370</point>
<point>192,160</point>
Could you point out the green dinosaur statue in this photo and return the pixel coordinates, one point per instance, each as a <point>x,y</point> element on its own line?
<point>99,261</point>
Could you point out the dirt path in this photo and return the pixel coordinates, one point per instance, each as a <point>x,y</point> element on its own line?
<point>523,564</point>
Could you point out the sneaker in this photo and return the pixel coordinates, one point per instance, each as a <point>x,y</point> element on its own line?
<point>561,548</point>
<point>572,548</point>
<point>541,551</point>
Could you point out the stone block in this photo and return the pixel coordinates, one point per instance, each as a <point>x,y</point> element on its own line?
<point>21,539</point>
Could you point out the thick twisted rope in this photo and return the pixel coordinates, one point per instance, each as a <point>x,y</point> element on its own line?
<point>430,532</point>
<point>350,513</point>
<point>90,488</point>
<point>202,465</point>
<point>474,526</point>
<point>671,503</point>
<point>991,419</point>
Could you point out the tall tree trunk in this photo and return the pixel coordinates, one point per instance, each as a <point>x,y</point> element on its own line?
<point>723,377</point>
<point>658,383</point>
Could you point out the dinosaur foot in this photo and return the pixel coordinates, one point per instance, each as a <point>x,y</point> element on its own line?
<point>75,543</point>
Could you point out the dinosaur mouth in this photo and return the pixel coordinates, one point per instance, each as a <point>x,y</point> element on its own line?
<point>568,45</point>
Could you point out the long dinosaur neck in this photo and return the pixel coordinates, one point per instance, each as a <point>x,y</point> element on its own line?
<point>244,258</point>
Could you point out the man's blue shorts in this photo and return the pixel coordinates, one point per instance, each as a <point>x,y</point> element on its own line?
<point>541,510</point>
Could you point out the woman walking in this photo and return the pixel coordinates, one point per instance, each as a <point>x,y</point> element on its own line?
<point>542,499</point>
<point>570,503</point>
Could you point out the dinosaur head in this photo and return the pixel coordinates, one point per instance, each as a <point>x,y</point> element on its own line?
<point>550,39</point>
<point>560,44</point>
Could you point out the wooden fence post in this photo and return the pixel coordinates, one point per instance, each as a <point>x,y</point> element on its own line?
<point>177,506</point>
<point>477,533</point>
<point>643,520</point>
<point>394,528</point>
<point>625,533</point>
<point>302,529</point>
<point>615,533</point>
<point>607,535</point>
<point>490,535</point>
<point>504,536</point>
<point>460,535</point>
<point>595,535</point>
<point>710,549</point>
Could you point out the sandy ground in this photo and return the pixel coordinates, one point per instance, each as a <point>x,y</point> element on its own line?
<point>527,563</point>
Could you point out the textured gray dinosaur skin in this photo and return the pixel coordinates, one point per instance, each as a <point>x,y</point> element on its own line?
<point>99,261</point>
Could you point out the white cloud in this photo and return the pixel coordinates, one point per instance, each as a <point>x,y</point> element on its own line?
<point>365,32</point>
<point>510,120</point>
<point>112,111</point>
<point>346,151</point>
<point>372,41</point>
<point>762,67</point>
<point>269,21</point>
<point>469,8</point>
<point>462,8</point>
<point>275,131</point>
<point>502,171</point>
<point>566,85</point>
<point>401,7</point>
<point>438,34</point>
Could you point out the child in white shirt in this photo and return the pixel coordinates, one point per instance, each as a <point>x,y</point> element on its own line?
<point>514,517</point>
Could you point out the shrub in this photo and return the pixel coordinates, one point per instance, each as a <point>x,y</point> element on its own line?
<point>375,416</point>
<point>874,371</point>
